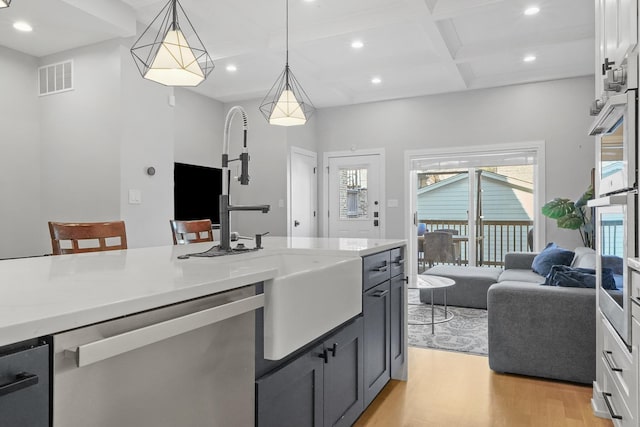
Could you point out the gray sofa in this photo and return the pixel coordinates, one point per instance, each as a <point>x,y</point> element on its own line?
<point>542,331</point>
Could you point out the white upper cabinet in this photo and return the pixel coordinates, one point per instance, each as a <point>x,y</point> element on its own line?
<point>616,37</point>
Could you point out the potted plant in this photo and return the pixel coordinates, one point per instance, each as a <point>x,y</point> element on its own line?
<point>573,215</point>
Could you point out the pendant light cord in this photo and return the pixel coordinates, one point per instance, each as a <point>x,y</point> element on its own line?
<point>287,33</point>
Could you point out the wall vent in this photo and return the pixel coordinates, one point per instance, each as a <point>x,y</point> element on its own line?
<point>55,78</point>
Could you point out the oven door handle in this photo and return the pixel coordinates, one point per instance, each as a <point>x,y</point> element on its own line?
<point>97,351</point>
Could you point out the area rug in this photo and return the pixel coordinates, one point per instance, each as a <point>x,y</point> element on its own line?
<point>466,332</point>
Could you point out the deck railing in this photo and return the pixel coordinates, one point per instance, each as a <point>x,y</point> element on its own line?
<point>495,239</point>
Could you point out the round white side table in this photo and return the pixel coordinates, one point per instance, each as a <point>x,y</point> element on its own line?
<point>426,281</point>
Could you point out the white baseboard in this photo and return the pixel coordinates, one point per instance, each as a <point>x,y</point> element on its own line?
<point>597,403</point>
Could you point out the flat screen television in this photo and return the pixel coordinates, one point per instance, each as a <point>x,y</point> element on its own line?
<point>196,192</point>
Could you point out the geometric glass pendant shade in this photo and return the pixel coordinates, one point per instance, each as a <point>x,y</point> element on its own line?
<point>4,3</point>
<point>286,103</point>
<point>173,54</point>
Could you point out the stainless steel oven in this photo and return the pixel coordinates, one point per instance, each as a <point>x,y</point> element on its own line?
<point>615,242</point>
<point>616,144</point>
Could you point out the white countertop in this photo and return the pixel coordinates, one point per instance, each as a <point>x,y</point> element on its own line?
<point>46,295</point>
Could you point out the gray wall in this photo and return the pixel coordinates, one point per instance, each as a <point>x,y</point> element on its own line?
<point>75,155</point>
<point>554,111</point>
<point>93,144</point>
<point>80,134</point>
<point>269,148</point>
<point>20,159</point>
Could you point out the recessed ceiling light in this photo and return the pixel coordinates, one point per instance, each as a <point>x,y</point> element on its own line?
<point>357,44</point>
<point>376,80</point>
<point>22,26</point>
<point>531,10</point>
<point>232,68</point>
<point>529,58</point>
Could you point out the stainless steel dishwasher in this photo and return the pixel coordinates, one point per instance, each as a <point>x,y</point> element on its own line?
<point>188,365</point>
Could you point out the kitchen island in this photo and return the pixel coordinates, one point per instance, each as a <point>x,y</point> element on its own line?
<point>49,295</point>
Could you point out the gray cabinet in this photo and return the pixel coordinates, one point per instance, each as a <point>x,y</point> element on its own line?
<point>383,308</point>
<point>292,395</point>
<point>321,387</point>
<point>398,307</point>
<point>332,380</point>
<point>24,385</point>
<point>376,310</point>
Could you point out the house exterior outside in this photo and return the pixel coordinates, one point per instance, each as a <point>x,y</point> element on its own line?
<point>506,212</point>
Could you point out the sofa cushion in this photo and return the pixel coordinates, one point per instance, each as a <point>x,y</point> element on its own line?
<point>517,275</point>
<point>550,256</point>
<point>585,258</point>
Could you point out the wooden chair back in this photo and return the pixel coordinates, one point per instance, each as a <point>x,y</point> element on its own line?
<point>191,231</point>
<point>83,236</point>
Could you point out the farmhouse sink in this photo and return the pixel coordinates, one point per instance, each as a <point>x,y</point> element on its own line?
<point>310,295</point>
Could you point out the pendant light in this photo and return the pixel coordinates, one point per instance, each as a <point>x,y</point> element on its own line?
<point>174,54</point>
<point>286,103</point>
<point>4,3</point>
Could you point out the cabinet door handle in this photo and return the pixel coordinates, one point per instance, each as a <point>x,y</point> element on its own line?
<point>607,357</point>
<point>22,380</point>
<point>380,294</point>
<point>406,279</point>
<point>324,355</point>
<point>606,396</point>
<point>399,261</point>
<point>333,349</point>
<point>382,268</point>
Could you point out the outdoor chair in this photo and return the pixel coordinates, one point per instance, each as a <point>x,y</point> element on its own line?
<point>438,247</point>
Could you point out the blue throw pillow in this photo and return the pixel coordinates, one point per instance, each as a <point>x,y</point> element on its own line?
<point>550,256</point>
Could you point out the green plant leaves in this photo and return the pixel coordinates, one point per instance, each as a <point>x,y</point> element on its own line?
<point>558,208</point>
<point>582,201</point>
<point>572,221</point>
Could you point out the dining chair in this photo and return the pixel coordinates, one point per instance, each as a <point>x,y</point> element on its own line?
<point>438,247</point>
<point>191,231</point>
<point>87,236</point>
<point>456,243</point>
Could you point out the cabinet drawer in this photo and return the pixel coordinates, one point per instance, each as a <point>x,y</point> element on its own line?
<point>617,361</point>
<point>24,375</point>
<point>397,261</point>
<point>635,285</point>
<point>615,402</point>
<point>376,269</point>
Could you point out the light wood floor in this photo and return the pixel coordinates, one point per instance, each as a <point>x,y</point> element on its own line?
<point>459,390</point>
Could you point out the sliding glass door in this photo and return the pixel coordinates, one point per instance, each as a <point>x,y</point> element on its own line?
<point>488,206</point>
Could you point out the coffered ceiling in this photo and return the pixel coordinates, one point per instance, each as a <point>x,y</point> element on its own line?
<point>415,47</point>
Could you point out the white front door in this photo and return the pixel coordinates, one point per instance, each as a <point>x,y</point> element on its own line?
<point>355,196</point>
<point>303,184</point>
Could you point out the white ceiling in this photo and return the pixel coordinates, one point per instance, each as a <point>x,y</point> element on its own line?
<point>417,47</point>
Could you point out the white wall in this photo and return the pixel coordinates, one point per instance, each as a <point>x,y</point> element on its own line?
<point>80,135</point>
<point>98,140</point>
<point>198,128</point>
<point>147,126</point>
<point>554,111</point>
<point>268,147</point>
<point>75,155</point>
<point>20,161</point>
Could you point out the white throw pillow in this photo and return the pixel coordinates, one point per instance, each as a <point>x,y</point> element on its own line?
<point>585,258</point>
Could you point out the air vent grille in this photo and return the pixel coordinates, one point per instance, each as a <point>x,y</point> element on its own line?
<point>55,78</point>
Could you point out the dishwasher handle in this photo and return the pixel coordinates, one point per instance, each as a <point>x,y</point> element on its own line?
<point>97,351</point>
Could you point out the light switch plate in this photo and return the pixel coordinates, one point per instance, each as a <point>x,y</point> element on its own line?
<point>135,197</point>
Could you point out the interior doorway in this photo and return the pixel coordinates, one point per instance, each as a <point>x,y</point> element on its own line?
<point>302,218</point>
<point>354,194</point>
